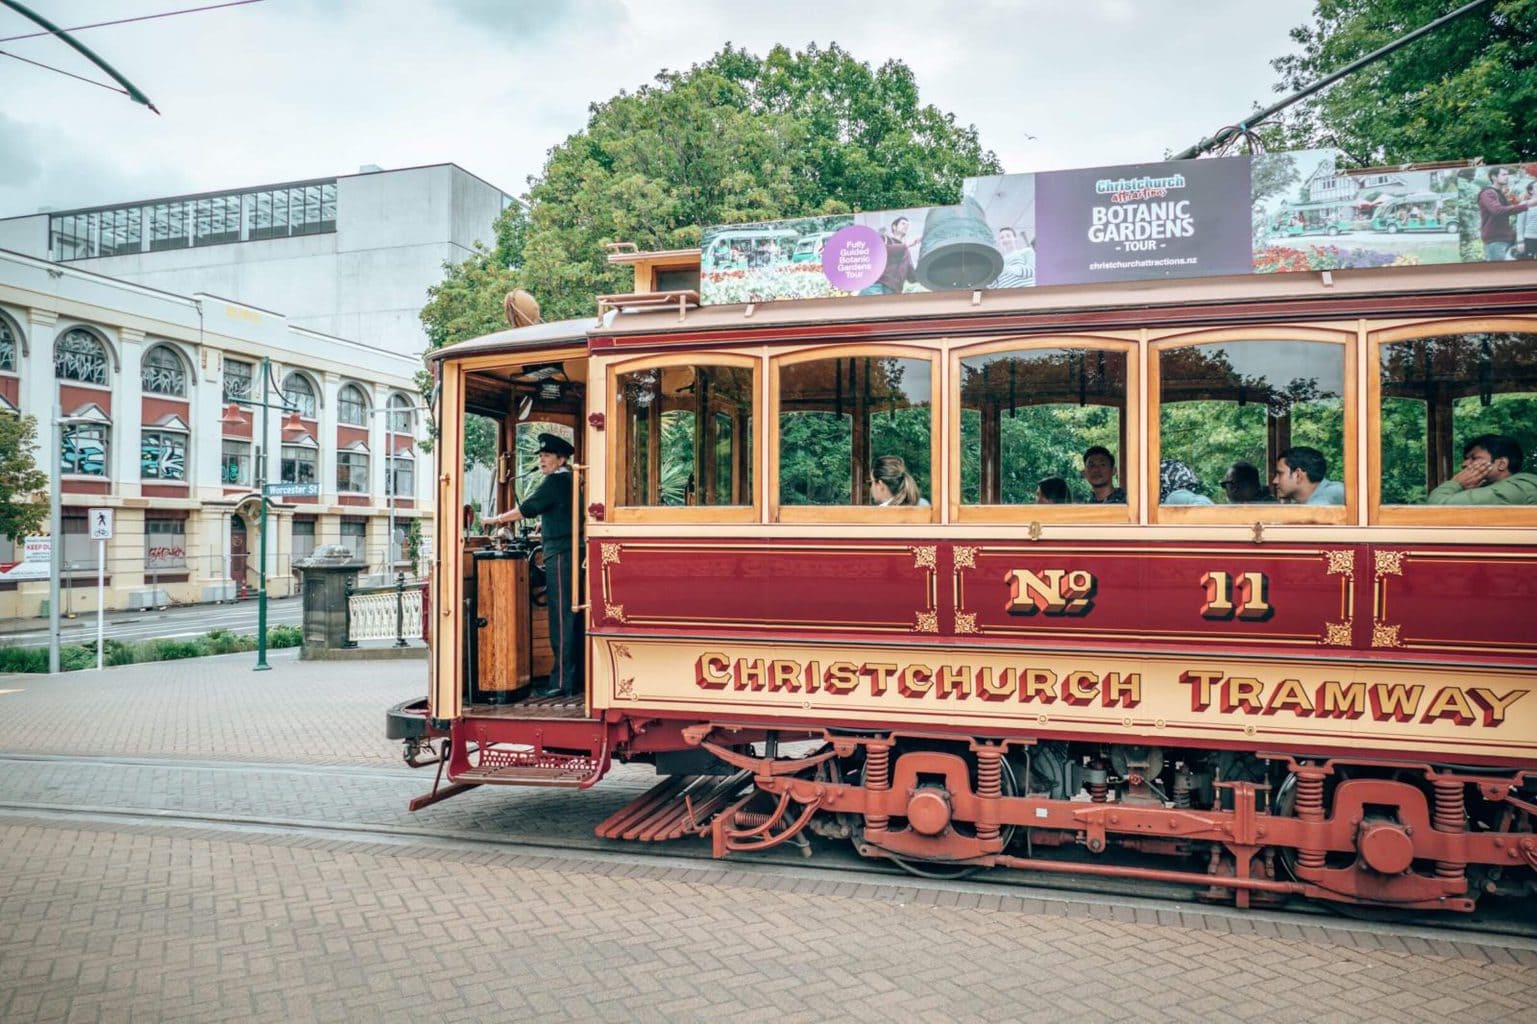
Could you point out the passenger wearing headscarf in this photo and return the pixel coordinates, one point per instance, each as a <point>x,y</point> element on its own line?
<point>1178,485</point>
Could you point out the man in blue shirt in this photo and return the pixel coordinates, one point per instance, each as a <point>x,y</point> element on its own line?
<point>1301,478</point>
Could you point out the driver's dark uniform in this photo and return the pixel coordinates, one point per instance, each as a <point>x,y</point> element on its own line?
<point>551,502</point>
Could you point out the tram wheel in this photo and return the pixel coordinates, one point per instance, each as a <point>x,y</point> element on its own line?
<point>1286,804</point>
<point>934,869</point>
<point>937,869</point>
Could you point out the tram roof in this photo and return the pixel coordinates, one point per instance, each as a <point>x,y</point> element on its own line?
<point>1124,297</point>
<point>544,335</point>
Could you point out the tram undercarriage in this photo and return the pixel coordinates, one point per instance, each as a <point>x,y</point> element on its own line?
<point>1245,828</point>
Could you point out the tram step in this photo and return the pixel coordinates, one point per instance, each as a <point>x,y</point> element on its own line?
<point>561,776</point>
<point>677,806</point>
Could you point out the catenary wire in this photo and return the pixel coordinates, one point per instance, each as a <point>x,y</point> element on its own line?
<point>126,21</point>
<point>67,74</point>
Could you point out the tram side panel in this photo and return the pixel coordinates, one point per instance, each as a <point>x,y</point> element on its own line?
<point>1338,650</point>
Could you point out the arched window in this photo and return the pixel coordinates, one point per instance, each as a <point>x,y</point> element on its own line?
<point>163,372</point>
<point>351,406</point>
<point>80,355</point>
<point>300,393</point>
<point>402,418</point>
<point>8,340</point>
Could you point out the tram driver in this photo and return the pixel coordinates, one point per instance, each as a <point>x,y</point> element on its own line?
<point>551,504</point>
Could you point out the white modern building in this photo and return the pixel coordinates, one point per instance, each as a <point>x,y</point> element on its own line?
<point>149,382</point>
<point>350,256</point>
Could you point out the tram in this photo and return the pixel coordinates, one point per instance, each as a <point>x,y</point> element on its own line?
<point>1261,699</point>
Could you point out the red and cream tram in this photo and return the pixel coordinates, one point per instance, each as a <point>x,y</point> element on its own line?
<point>1328,700</point>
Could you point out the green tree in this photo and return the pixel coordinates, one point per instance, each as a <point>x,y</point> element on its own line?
<point>23,487</point>
<point>738,138</point>
<point>1468,89</point>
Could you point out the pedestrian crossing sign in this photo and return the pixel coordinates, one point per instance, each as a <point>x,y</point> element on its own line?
<point>101,524</point>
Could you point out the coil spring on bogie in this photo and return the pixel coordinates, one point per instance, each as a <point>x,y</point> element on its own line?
<point>1450,815</point>
<point>877,779</point>
<point>1310,807</point>
<point>989,786</point>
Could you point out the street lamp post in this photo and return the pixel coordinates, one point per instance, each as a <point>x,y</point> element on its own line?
<point>389,476</point>
<point>56,528</point>
<point>266,405</point>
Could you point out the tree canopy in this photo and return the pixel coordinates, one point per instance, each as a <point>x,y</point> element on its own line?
<point>737,138</point>
<point>1469,89</point>
<point>23,487</point>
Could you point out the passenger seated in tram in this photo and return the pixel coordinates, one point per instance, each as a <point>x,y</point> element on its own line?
<point>1242,486</point>
<point>1178,485</point>
<point>1052,491</point>
<point>1301,477</point>
<point>1099,474</point>
<point>1490,475</point>
<point>892,484</point>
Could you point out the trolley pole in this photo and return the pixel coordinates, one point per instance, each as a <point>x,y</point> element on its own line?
<point>263,457</point>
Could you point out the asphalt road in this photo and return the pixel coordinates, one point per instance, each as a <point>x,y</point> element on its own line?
<point>190,621</point>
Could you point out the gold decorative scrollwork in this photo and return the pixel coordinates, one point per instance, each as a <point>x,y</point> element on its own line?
<point>626,689</point>
<point>1341,562</point>
<point>928,622</point>
<point>1389,563</point>
<point>965,622</point>
<point>926,557</point>
<point>622,651</point>
<point>1385,635</point>
<point>614,612</point>
<point>965,557</point>
<point>1337,634</point>
<point>610,554</point>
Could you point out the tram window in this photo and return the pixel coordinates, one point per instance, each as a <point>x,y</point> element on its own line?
<point>685,436</point>
<point>837,416</point>
<point>1030,414</point>
<point>1441,394</point>
<point>1224,404</point>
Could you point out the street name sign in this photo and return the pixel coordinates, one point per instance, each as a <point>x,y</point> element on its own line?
<point>291,490</point>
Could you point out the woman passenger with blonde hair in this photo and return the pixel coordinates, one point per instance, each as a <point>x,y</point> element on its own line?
<point>892,484</point>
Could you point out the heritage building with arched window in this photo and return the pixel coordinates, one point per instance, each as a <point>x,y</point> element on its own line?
<point>155,388</point>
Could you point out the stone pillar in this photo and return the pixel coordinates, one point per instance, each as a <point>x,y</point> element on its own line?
<point>205,408</point>
<point>39,389</point>
<point>127,413</point>
<point>325,437</point>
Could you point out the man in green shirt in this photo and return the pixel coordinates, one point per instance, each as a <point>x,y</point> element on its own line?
<point>1491,475</point>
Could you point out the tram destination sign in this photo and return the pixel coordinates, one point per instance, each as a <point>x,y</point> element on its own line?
<point>1267,213</point>
<point>291,490</point>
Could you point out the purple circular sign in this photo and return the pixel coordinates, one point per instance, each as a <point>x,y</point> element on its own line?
<point>854,258</point>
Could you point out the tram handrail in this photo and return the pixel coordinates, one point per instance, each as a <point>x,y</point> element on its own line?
<point>577,605</point>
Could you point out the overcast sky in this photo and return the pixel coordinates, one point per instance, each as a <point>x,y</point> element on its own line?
<point>289,89</point>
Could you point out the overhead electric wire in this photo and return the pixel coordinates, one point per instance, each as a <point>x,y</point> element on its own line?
<point>68,74</point>
<point>82,49</point>
<point>1243,127</point>
<point>126,21</point>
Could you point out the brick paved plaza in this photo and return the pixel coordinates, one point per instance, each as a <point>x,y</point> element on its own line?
<point>141,919</point>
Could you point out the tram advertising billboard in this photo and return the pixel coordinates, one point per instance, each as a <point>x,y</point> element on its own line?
<point>1192,218</point>
<point>1310,215</point>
